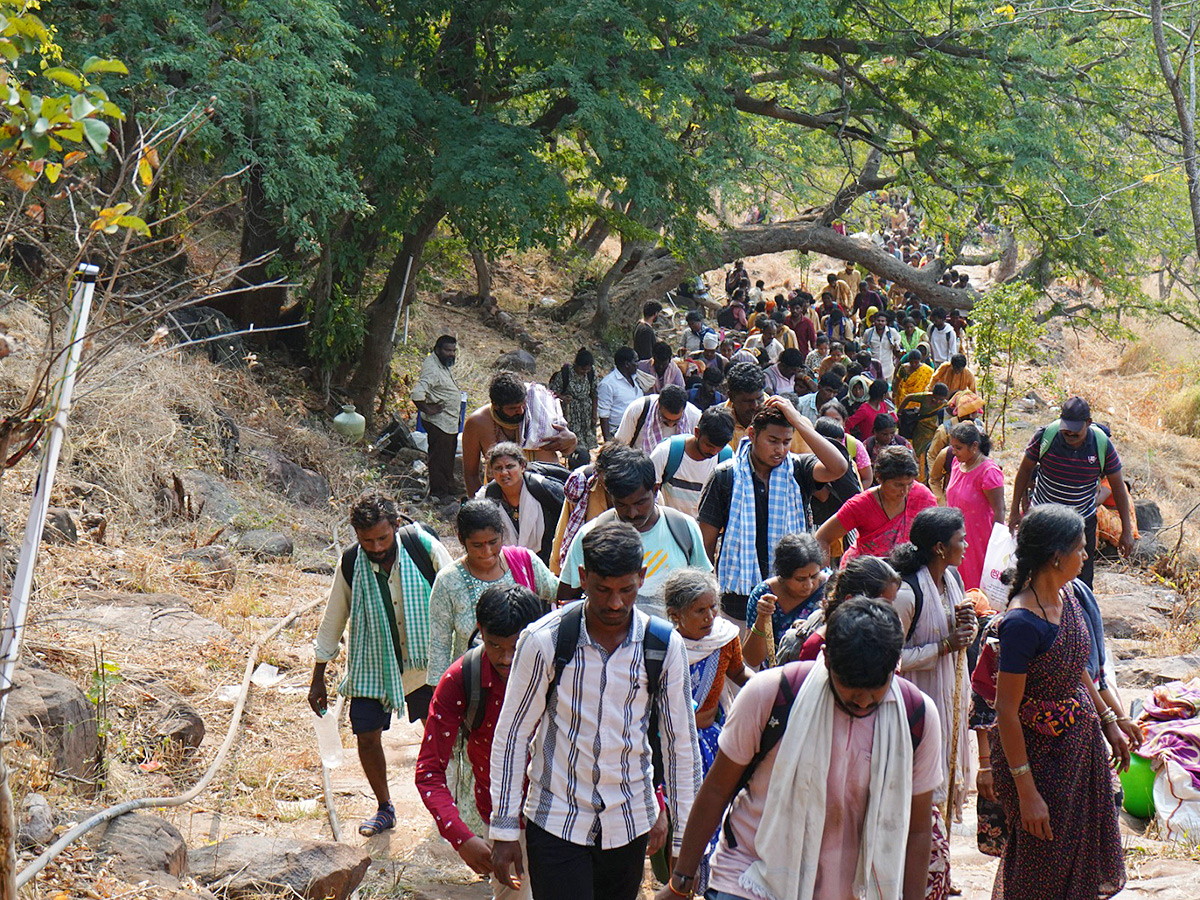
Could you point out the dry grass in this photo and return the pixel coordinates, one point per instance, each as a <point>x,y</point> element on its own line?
<point>1181,411</point>
<point>1140,356</point>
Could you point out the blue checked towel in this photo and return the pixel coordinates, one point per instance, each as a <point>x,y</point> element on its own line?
<point>739,572</point>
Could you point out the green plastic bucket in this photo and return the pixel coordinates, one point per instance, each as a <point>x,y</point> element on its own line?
<point>1138,784</point>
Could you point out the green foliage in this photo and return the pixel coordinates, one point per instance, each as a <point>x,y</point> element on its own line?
<point>1005,330</point>
<point>45,127</point>
<point>335,331</point>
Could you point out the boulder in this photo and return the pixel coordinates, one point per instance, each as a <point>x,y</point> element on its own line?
<point>35,827</point>
<point>1147,672</point>
<point>263,544</point>
<point>211,496</point>
<point>247,865</point>
<point>210,333</point>
<point>1149,516</point>
<point>142,844</point>
<point>297,483</point>
<point>181,726</point>
<point>1132,609</point>
<point>60,527</point>
<point>50,713</point>
<point>517,361</point>
<point>144,617</point>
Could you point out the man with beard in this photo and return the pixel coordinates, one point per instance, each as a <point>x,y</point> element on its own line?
<point>438,397</point>
<point>503,419</point>
<point>381,587</point>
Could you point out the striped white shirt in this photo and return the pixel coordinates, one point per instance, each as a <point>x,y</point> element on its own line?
<point>588,758</point>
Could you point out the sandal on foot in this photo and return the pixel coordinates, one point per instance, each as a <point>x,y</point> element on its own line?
<point>383,819</point>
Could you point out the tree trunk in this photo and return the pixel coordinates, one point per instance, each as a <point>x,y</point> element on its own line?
<point>483,275</point>
<point>384,312</point>
<point>660,271</point>
<point>253,300</point>
<point>603,290</point>
<point>1183,111</point>
<point>1008,256</point>
<point>590,242</point>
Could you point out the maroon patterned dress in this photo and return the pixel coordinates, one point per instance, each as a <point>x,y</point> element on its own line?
<point>1071,772</point>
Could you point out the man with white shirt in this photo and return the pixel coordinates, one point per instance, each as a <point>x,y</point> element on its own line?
<point>764,345</point>
<point>884,343</point>
<point>575,727</point>
<point>616,391</point>
<point>943,340</point>
<point>684,462</point>
<point>652,419</point>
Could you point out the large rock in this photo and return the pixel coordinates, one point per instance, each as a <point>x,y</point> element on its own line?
<point>297,483</point>
<point>1146,672</point>
<point>60,527</point>
<point>181,726</point>
<point>247,865</point>
<point>263,544</point>
<point>35,827</point>
<point>1133,609</point>
<point>517,361</point>
<point>209,332</point>
<point>143,617</point>
<point>140,843</point>
<point>211,496</point>
<point>50,713</point>
<point>1149,516</point>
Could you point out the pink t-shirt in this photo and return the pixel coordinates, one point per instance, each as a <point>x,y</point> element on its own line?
<point>966,492</point>
<point>877,534</point>
<point>847,787</point>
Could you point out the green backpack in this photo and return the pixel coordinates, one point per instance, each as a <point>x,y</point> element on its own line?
<point>1051,433</point>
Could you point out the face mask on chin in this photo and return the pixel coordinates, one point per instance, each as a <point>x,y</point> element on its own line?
<point>508,420</point>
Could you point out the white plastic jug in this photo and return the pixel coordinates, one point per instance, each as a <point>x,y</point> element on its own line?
<point>329,742</point>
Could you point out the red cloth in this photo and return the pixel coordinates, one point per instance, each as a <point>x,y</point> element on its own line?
<point>862,423</point>
<point>877,534</point>
<point>806,334</point>
<point>812,646</point>
<point>437,749</point>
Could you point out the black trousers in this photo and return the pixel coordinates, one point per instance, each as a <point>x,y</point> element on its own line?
<point>560,870</point>
<point>1089,542</point>
<point>442,448</point>
<point>734,607</point>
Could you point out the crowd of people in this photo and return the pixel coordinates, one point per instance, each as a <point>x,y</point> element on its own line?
<point>720,607</point>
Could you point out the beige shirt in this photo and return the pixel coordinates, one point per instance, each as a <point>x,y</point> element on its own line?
<point>437,385</point>
<point>337,613</point>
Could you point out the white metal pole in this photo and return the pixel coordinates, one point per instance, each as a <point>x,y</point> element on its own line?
<point>401,305</point>
<point>59,403</point>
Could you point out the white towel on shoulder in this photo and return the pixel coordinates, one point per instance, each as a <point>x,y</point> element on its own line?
<point>788,841</point>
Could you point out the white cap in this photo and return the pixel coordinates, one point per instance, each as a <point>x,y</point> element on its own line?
<point>710,341</point>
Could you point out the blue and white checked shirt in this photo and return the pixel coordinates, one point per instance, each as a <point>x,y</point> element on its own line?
<point>588,758</point>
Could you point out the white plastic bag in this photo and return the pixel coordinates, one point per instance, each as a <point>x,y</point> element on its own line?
<point>999,556</point>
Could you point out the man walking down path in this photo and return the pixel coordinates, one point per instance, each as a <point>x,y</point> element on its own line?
<point>574,725</point>
<point>616,391</point>
<point>670,539</point>
<point>468,699</point>
<point>684,462</point>
<point>438,398</point>
<point>827,770</point>
<point>763,493</point>
<point>381,587</point>
<point>527,415</point>
<point>1070,457</point>
<point>943,339</point>
<point>652,419</point>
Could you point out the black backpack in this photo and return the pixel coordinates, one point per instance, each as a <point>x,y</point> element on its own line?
<point>790,678</point>
<point>654,652</point>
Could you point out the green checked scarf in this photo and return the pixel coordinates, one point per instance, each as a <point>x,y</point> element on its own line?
<point>372,669</point>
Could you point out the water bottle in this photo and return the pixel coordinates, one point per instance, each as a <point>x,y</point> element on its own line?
<point>329,742</point>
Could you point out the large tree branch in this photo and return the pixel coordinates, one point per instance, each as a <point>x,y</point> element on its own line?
<point>833,121</point>
<point>659,273</point>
